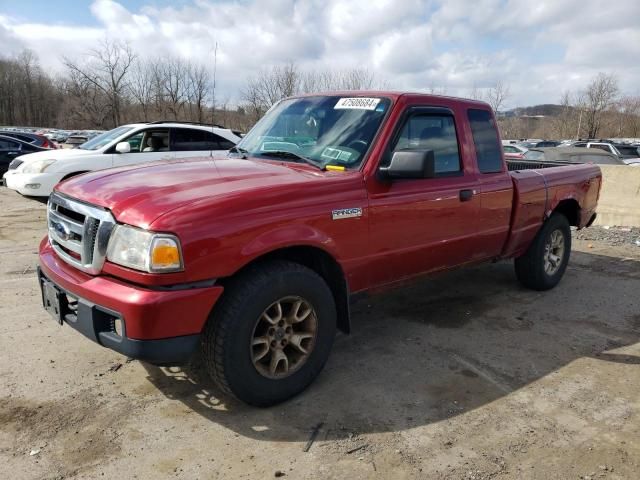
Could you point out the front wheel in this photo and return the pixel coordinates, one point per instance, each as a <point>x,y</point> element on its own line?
<point>271,334</point>
<point>544,263</point>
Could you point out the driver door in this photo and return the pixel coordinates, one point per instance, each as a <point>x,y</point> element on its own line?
<point>423,225</point>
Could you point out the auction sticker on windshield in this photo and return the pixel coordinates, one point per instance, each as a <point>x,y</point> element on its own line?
<point>359,103</point>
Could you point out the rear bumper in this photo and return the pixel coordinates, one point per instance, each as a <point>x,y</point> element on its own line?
<point>157,326</point>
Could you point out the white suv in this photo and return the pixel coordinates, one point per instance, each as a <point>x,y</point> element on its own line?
<point>36,174</point>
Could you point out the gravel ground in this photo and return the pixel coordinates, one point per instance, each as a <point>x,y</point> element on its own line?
<point>465,375</point>
<point>610,235</point>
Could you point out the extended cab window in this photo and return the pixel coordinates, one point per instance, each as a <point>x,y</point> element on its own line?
<point>435,132</point>
<point>189,139</point>
<point>485,138</point>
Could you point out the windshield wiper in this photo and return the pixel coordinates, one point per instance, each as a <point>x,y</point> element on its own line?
<point>284,154</point>
<point>243,152</point>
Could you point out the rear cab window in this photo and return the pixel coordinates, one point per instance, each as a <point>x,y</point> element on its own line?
<point>486,141</point>
<point>427,130</point>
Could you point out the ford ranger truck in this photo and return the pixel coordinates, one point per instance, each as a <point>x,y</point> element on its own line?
<point>250,260</point>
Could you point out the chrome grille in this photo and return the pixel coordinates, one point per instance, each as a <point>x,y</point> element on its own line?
<point>79,233</point>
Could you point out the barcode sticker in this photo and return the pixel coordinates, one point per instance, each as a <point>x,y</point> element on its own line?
<point>358,103</point>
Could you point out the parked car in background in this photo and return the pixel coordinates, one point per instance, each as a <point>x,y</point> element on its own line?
<point>74,141</point>
<point>567,155</point>
<point>530,143</point>
<point>547,143</point>
<point>513,151</point>
<point>125,145</point>
<point>621,151</point>
<point>627,151</point>
<point>11,148</point>
<point>32,138</point>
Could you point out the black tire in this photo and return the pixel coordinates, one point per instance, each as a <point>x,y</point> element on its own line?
<point>229,331</point>
<point>530,267</point>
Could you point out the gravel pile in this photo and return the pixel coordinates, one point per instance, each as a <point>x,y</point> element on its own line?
<point>610,235</point>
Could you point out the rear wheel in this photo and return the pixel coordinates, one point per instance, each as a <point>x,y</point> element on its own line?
<point>271,334</point>
<point>544,263</point>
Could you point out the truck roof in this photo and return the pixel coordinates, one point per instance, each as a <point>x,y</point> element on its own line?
<point>395,95</point>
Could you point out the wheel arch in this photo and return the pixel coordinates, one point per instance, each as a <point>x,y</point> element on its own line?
<point>321,262</point>
<point>570,208</point>
<point>73,174</point>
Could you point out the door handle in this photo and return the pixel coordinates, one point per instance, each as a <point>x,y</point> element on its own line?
<point>466,195</point>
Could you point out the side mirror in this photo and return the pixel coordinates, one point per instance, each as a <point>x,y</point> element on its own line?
<point>123,147</point>
<point>411,164</point>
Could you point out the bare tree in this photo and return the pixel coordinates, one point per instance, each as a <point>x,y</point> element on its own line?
<point>270,86</point>
<point>563,123</point>
<point>172,77</point>
<point>598,97</point>
<point>86,104</point>
<point>629,117</point>
<point>141,86</point>
<point>497,95</point>
<point>475,93</point>
<point>197,86</point>
<point>28,96</point>
<point>106,69</point>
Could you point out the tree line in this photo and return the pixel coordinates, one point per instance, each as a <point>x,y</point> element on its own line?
<point>598,111</point>
<point>111,85</point>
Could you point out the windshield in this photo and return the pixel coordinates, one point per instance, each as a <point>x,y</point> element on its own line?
<point>104,138</point>
<point>323,130</point>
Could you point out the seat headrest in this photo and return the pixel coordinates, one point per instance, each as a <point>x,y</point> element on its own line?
<point>154,142</point>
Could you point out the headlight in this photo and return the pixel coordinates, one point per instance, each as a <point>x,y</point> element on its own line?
<point>38,166</point>
<point>143,250</point>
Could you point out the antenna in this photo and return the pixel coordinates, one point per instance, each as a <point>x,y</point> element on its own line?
<point>213,91</point>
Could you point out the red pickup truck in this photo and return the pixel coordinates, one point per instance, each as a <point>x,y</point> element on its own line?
<point>252,259</point>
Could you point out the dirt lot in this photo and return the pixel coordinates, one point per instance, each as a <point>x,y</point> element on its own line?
<point>465,375</point>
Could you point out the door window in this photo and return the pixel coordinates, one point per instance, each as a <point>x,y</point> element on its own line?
<point>8,145</point>
<point>189,139</point>
<point>149,141</point>
<point>435,132</point>
<point>485,138</point>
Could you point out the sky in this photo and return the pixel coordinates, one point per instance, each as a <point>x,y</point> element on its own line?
<point>538,48</point>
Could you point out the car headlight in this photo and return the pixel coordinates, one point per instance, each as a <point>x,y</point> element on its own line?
<point>143,250</point>
<point>38,166</point>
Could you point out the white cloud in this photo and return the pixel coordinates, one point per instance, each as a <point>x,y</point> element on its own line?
<point>537,48</point>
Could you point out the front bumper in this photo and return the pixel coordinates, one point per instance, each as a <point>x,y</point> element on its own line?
<point>158,326</point>
<point>32,184</point>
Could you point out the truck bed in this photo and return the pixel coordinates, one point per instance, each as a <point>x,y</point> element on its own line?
<point>539,189</point>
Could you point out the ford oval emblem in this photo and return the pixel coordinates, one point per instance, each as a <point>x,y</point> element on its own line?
<point>62,230</point>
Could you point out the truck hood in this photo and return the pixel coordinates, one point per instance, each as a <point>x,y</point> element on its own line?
<point>141,194</point>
